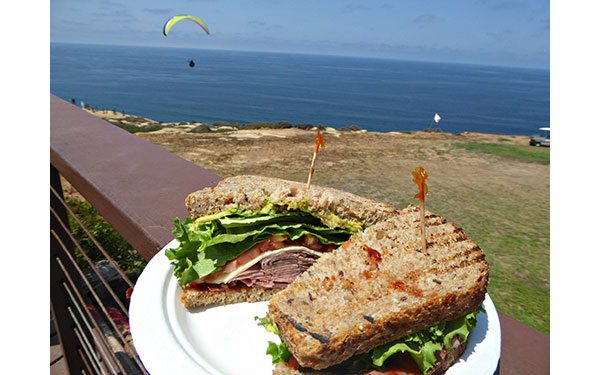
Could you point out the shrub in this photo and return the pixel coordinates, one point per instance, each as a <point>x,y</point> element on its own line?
<point>268,125</point>
<point>202,128</point>
<point>138,129</point>
<point>305,126</point>
<point>119,249</point>
<point>136,119</point>
<point>350,128</point>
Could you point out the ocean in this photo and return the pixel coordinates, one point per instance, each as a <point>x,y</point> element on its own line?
<point>243,87</point>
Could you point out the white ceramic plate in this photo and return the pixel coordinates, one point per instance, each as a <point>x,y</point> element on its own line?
<point>226,340</point>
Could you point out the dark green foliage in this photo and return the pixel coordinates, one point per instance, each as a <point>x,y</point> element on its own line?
<point>350,128</point>
<point>121,251</point>
<point>202,128</point>
<point>304,126</point>
<point>135,119</point>
<point>139,129</point>
<point>268,125</point>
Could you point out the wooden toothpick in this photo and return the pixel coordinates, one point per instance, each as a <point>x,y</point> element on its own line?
<point>420,178</point>
<point>320,141</point>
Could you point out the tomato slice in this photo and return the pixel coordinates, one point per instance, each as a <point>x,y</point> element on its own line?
<point>293,363</point>
<point>399,364</point>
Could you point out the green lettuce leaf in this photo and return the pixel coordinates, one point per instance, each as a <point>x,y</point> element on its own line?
<point>277,352</point>
<point>422,353</point>
<point>422,345</point>
<point>461,327</point>
<point>268,324</point>
<point>209,242</point>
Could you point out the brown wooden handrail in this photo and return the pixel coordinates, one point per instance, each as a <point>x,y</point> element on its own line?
<point>136,186</point>
<point>139,188</point>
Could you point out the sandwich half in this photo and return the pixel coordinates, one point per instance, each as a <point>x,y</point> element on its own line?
<point>381,299</point>
<point>250,236</point>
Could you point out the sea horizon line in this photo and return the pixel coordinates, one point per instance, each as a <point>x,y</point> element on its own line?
<point>384,58</point>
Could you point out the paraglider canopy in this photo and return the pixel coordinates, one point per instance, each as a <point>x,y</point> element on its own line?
<point>173,20</point>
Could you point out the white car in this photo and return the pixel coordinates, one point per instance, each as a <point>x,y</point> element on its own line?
<point>541,140</point>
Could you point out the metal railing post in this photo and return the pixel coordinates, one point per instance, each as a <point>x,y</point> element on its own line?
<point>59,301</point>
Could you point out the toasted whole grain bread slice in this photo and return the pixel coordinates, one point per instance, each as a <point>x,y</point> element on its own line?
<point>254,192</point>
<point>380,286</point>
<point>193,298</point>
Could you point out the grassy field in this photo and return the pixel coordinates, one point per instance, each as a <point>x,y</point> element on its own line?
<point>495,187</point>
<point>520,152</point>
<point>516,230</point>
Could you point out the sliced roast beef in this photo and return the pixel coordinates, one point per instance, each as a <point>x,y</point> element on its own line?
<point>277,270</point>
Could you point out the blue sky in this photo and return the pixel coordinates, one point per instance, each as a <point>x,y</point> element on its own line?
<point>494,32</point>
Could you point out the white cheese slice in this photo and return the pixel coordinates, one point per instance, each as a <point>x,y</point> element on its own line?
<point>227,277</point>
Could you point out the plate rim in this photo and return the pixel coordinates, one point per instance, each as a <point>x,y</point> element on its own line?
<point>150,354</point>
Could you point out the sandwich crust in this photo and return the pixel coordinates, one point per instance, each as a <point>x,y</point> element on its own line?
<point>254,192</point>
<point>380,286</point>
<point>193,298</point>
